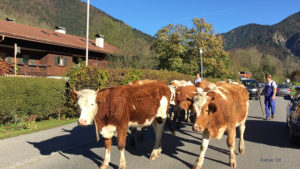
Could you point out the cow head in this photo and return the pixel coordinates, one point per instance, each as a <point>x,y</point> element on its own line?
<point>86,100</point>
<point>203,109</point>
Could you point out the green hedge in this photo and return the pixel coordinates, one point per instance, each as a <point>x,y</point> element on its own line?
<point>43,98</point>
<point>22,97</point>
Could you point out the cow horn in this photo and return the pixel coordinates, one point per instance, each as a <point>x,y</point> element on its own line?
<point>97,90</point>
<point>75,91</point>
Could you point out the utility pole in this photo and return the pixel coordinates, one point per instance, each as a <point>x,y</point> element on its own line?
<point>201,66</point>
<point>87,33</point>
<point>15,56</point>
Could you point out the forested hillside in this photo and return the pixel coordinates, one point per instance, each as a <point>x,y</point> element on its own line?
<point>280,40</point>
<point>71,14</point>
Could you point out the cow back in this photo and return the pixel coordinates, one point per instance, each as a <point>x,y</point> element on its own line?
<point>131,103</point>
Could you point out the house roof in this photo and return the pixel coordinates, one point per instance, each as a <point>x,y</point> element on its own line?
<point>25,32</point>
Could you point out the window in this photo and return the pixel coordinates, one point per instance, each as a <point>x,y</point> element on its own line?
<point>9,59</point>
<point>20,60</point>
<point>31,62</point>
<point>26,59</point>
<point>60,61</point>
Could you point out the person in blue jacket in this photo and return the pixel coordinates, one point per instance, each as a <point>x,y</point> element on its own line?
<point>270,93</point>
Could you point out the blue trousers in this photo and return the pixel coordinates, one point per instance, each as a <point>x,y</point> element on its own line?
<point>269,103</point>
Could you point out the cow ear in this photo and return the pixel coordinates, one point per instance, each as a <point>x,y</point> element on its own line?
<point>73,94</point>
<point>212,108</point>
<point>98,100</point>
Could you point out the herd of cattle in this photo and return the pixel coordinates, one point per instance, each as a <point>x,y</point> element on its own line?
<point>218,107</point>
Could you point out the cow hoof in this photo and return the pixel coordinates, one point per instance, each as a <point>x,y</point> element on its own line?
<point>196,166</point>
<point>233,164</point>
<point>122,167</point>
<point>155,154</point>
<point>103,167</point>
<point>242,151</point>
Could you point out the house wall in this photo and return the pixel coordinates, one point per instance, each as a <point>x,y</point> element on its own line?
<point>54,68</point>
<point>41,57</point>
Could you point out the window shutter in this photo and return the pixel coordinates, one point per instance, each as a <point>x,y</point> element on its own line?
<point>9,59</point>
<point>56,60</point>
<point>65,61</point>
<point>20,60</point>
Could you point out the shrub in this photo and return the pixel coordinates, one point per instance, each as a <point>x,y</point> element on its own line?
<point>131,75</point>
<point>82,77</point>
<point>4,66</point>
<point>22,97</point>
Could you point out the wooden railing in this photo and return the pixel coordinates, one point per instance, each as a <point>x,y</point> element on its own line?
<point>34,70</point>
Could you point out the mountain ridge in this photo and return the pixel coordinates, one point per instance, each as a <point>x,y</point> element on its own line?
<point>280,39</point>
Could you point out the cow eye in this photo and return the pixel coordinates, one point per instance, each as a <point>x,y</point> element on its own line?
<point>92,104</point>
<point>206,110</point>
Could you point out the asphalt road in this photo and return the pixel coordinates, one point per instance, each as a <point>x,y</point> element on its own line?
<point>266,142</point>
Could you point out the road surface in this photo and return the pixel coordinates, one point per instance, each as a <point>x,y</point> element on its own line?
<point>266,142</point>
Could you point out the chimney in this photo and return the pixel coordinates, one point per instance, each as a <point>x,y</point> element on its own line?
<point>60,29</point>
<point>99,40</point>
<point>10,20</point>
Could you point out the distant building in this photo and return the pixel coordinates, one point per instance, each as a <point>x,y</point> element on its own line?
<point>245,75</point>
<point>44,52</point>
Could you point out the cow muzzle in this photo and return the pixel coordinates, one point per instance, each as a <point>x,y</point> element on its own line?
<point>82,122</point>
<point>197,128</point>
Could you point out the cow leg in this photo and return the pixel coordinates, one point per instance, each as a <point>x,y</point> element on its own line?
<point>204,145</point>
<point>107,143</point>
<point>132,136</point>
<point>231,145</point>
<point>158,129</point>
<point>188,115</point>
<point>242,144</point>
<point>171,112</point>
<point>121,146</point>
<point>180,117</point>
<point>169,124</point>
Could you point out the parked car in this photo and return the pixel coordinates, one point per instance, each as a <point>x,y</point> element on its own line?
<point>283,90</point>
<point>261,86</point>
<point>252,87</point>
<point>293,117</point>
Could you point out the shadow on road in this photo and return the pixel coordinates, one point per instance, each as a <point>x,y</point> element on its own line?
<point>83,137</point>
<point>271,133</point>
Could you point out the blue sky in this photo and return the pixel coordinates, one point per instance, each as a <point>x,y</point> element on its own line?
<point>149,16</point>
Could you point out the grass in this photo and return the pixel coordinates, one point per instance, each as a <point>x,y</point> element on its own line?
<point>11,130</point>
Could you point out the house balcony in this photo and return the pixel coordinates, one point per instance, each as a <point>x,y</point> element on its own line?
<point>31,69</point>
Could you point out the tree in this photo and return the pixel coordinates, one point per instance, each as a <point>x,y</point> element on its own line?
<point>177,48</point>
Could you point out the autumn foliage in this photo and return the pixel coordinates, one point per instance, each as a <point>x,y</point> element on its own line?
<point>4,66</point>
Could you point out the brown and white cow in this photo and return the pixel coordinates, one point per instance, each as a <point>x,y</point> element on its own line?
<point>115,109</point>
<point>174,85</point>
<point>180,83</point>
<point>184,98</point>
<point>220,108</point>
<point>133,130</point>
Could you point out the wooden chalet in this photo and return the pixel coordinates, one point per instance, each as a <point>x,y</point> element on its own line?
<point>42,52</point>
